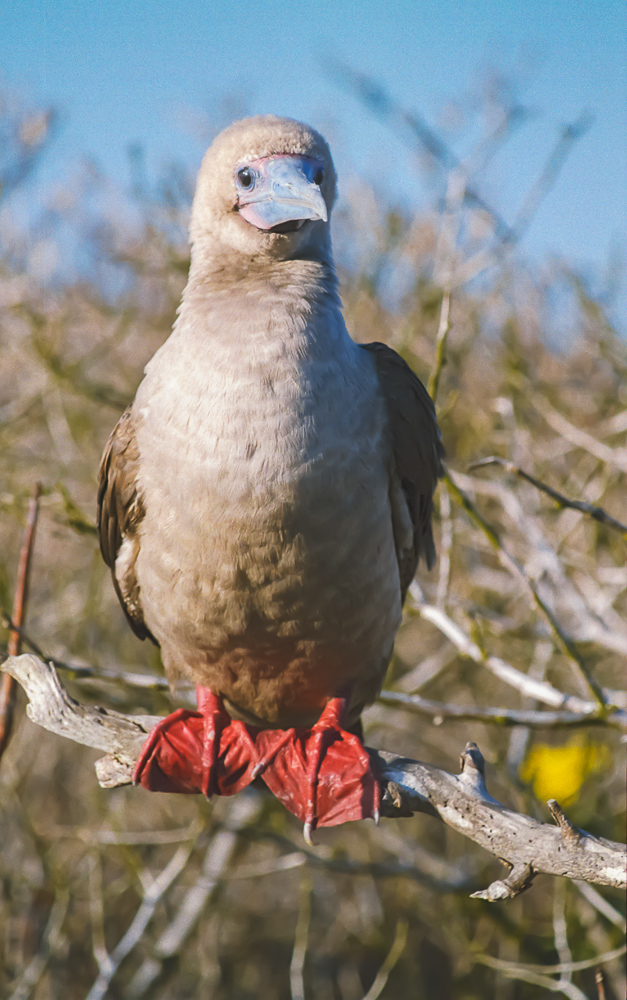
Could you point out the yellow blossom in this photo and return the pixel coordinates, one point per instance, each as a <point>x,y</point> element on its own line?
<point>558,772</point>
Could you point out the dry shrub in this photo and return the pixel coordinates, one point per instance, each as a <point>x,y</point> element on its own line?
<point>518,382</point>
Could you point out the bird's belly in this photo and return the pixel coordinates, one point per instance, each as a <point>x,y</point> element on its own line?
<point>282,607</point>
<point>272,578</point>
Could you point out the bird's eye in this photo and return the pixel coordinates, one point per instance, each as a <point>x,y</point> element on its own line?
<point>245,177</point>
<point>319,176</point>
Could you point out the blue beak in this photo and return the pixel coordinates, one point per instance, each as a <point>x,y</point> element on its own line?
<point>280,189</point>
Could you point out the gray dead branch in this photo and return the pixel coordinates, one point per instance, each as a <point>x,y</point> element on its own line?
<point>462,801</point>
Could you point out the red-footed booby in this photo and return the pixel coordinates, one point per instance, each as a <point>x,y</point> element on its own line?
<point>265,500</point>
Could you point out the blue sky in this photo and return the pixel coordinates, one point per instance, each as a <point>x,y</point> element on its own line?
<point>166,75</point>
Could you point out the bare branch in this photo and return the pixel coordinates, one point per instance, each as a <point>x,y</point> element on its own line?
<point>153,893</point>
<point>575,710</point>
<point>440,343</point>
<point>602,906</point>
<point>563,502</point>
<point>51,707</point>
<point>446,546</point>
<point>409,123</point>
<point>508,561</point>
<point>569,135</point>
<point>7,686</point>
<point>439,712</point>
<point>51,941</point>
<point>586,963</point>
<point>617,457</point>
<point>218,856</point>
<point>301,936</point>
<point>151,682</point>
<point>588,623</point>
<point>461,801</point>
<point>392,957</point>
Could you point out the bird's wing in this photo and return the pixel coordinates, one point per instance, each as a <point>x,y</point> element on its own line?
<point>120,512</point>
<point>417,451</point>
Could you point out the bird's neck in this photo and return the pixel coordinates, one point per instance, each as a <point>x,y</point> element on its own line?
<point>292,302</point>
<point>314,278</point>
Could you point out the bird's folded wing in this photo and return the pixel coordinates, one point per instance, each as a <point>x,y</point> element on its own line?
<point>417,452</point>
<point>120,511</point>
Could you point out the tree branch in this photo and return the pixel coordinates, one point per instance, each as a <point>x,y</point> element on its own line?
<point>439,712</point>
<point>568,646</point>
<point>7,684</point>
<point>461,801</point>
<point>563,502</point>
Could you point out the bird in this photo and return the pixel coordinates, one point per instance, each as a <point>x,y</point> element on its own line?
<point>265,500</point>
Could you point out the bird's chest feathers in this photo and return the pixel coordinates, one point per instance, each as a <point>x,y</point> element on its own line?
<point>263,428</point>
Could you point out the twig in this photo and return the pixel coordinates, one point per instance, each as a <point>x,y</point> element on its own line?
<point>563,502</point>
<point>460,801</point>
<point>299,952</point>
<point>433,873</point>
<point>7,686</point>
<point>151,682</point>
<point>518,743</point>
<point>96,912</point>
<point>446,545</point>
<point>153,894</point>
<point>243,811</point>
<point>616,457</point>
<point>440,712</point>
<point>591,625</point>
<point>529,686</point>
<point>560,933</point>
<point>545,982</point>
<point>585,963</point>
<point>510,563</point>
<point>602,906</point>
<point>380,103</point>
<point>392,957</point>
<point>574,711</point>
<point>444,327</point>
<point>570,134</point>
<point>51,940</point>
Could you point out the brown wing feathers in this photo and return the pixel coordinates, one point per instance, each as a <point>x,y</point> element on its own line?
<point>417,449</point>
<point>120,511</point>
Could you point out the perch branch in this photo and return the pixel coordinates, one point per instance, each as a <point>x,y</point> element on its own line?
<point>461,801</point>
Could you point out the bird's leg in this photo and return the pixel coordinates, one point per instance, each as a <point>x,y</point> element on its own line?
<point>324,732</point>
<point>215,720</point>
<point>321,734</point>
<point>159,767</point>
<point>323,774</point>
<point>201,751</point>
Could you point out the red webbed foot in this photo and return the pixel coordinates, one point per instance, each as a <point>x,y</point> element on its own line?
<point>323,775</point>
<point>201,751</point>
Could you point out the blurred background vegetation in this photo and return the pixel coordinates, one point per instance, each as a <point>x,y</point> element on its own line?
<point>127,894</point>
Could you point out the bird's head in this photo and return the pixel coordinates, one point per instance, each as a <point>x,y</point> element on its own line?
<point>265,192</point>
